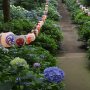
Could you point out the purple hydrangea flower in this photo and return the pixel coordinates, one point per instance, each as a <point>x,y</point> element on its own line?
<point>54,74</point>
<point>36,65</point>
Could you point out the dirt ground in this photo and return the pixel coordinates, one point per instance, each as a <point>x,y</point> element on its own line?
<point>72,58</point>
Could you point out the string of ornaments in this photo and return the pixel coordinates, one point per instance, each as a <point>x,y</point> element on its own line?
<point>83,8</point>
<point>9,39</point>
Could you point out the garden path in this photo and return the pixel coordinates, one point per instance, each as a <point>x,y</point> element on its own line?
<point>72,59</point>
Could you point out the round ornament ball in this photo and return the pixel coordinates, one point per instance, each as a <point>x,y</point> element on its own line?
<point>40,23</point>
<point>44,17</point>
<point>20,40</point>
<point>35,32</point>
<point>38,27</point>
<point>7,39</point>
<point>30,37</point>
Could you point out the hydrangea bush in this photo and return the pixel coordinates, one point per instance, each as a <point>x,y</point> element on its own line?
<point>18,62</point>
<point>20,12</point>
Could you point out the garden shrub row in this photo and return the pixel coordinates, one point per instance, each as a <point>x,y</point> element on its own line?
<point>27,4</point>
<point>19,74</point>
<point>82,20</point>
<point>32,67</point>
<point>50,37</point>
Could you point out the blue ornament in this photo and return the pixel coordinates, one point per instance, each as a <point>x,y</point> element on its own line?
<point>10,39</point>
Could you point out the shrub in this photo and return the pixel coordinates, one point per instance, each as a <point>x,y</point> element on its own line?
<point>81,18</point>
<point>86,2</point>
<point>27,4</point>
<point>54,3</point>
<point>33,54</point>
<point>1,16</point>
<point>18,63</point>
<point>21,13</point>
<point>53,14</point>
<point>84,31</point>
<point>17,26</point>
<point>52,29</point>
<point>4,64</point>
<point>46,42</point>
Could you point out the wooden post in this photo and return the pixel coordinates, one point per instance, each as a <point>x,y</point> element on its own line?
<point>6,10</point>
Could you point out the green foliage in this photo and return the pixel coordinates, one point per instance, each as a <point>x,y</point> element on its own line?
<point>4,64</point>
<point>34,54</point>
<point>17,26</point>
<point>71,4</point>
<point>88,52</point>
<point>0,4</point>
<point>54,3</point>
<point>1,16</point>
<point>27,4</point>
<point>53,14</point>
<point>52,29</point>
<point>46,42</point>
<point>81,18</point>
<point>6,86</point>
<point>18,62</point>
<point>86,2</point>
<point>84,31</point>
<point>4,61</point>
<point>17,74</point>
<point>18,12</point>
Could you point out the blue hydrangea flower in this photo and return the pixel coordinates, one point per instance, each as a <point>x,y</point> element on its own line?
<point>54,74</point>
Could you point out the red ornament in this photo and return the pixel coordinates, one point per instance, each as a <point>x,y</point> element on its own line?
<point>38,27</point>
<point>30,37</point>
<point>40,23</point>
<point>20,41</point>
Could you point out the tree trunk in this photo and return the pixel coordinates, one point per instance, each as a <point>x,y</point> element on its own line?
<point>6,10</point>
